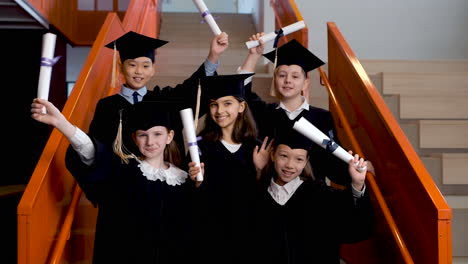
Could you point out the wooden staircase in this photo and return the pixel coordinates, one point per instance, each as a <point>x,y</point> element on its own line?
<point>189,42</point>
<point>430,101</point>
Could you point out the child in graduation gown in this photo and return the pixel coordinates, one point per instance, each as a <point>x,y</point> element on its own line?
<point>137,55</point>
<point>224,208</point>
<point>302,221</point>
<point>293,62</point>
<point>141,196</point>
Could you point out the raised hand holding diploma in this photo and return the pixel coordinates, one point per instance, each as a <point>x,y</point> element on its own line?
<point>47,61</point>
<point>190,136</point>
<point>205,13</point>
<point>304,127</point>
<point>272,35</point>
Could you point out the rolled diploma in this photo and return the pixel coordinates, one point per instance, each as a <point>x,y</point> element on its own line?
<point>191,137</point>
<point>207,16</point>
<point>304,127</point>
<point>271,36</point>
<point>48,48</point>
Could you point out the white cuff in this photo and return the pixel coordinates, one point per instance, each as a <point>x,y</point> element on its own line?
<point>356,193</point>
<point>82,143</point>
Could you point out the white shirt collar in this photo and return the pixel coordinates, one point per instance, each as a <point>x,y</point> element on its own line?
<point>281,194</point>
<point>172,176</point>
<point>295,113</point>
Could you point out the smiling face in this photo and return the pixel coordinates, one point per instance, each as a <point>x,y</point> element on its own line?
<point>225,110</point>
<point>153,141</point>
<point>289,163</point>
<point>290,80</point>
<point>137,72</point>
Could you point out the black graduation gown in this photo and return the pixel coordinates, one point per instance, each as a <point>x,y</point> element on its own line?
<point>105,122</point>
<point>225,203</point>
<point>324,164</point>
<point>139,220</point>
<point>311,226</point>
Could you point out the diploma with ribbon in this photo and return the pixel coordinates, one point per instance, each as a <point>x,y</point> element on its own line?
<point>190,137</point>
<point>47,62</point>
<point>205,13</point>
<point>306,128</point>
<point>272,35</point>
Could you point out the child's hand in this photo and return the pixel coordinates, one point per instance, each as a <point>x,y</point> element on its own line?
<point>218,45</point>
<point>45,112</point>
<point>259,49</point>
<point>357,169</point>
<point>261,156</point>
<point>194,170</point>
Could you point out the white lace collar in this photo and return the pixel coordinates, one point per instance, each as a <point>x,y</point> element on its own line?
<point>172,176</point>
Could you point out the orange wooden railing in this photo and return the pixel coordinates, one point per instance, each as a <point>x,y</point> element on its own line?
<point>421,214</point>
<point>379,201</point>
<point>394,242</point>
<point>71,22</point>
<point>52,195</point>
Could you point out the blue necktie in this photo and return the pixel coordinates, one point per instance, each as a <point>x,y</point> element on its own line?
<point>135,97</point>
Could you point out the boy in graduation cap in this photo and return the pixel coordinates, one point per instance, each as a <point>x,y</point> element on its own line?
<point>142,195</point>
<point>137,57</point>
<point>292,63</point>
<point>226,197</point>
<point>300,220</point>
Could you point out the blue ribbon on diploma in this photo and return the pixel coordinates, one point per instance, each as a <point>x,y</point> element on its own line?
<point>190,144</point>
<point>207,12</point>
<point>49,62</point>
<point>279,34</point>
<point>330,145</point>
<point>204,14</point>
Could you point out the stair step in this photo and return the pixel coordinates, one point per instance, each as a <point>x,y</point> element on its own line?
<point>433,107</point>
<point>455,168</point>
<point>459,205</point>
<point>427,84</point>
<point>434,166</point>
<point>421,66</point>
<point>443,134</point>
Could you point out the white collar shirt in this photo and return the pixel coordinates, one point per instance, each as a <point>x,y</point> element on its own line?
<point>293,114</point>
<point>281,194</point>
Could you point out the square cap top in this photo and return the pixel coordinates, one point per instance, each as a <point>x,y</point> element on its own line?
<point>218,86</point>
<point>132,45</point>
<point>288,136</point>
<point>147,114</point>
<point>293,53</point>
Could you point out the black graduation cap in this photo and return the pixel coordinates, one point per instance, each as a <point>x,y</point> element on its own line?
<point>287,135</point>
<point>147,114</point>
<point>216,86</point>
<point>133,45</point>
<point>294,53</point>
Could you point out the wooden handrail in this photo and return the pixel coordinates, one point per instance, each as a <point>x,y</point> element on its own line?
<point>370,177</point>
<point>142,8</point>
<point>347,74</point>
<point>52,194</point>
<point>65,229</point>
<point>416,204</point>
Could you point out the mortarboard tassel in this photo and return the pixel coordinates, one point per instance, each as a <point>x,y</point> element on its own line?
<point>118,146</point>
<point>279,34</point>
<point>114,67</point>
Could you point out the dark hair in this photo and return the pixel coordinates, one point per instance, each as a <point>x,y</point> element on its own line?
<point>245,127</point>
<point>269,172</point>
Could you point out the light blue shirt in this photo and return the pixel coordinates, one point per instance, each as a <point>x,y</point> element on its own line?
<point>127,93</point>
